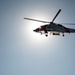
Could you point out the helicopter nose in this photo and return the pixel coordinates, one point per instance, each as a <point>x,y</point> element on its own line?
<point>35,30</point>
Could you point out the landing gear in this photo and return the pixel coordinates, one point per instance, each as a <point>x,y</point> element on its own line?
<point>46,35</point>
<point>63,35</point>
<point>50,33</point>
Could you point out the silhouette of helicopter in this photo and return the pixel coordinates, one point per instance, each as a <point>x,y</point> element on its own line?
<point>53,28</point>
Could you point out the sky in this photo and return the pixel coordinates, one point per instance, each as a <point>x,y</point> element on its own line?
<point>24,52</point>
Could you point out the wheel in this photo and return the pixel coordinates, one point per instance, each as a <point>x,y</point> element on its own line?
<point>46,35</point>
<point>63,35</point>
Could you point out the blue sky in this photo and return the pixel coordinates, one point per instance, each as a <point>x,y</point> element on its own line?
<point>22,52</point>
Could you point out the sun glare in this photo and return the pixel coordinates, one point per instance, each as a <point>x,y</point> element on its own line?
<point>33,37</point>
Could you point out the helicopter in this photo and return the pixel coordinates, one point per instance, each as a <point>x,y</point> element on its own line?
<point>53,28</point>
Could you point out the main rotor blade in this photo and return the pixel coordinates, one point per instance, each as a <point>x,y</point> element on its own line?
<point>56,15</point>
<point>68,23</point>
<point>36,20</point>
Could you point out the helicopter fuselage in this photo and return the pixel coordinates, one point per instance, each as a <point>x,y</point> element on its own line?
<point>53,28</point>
